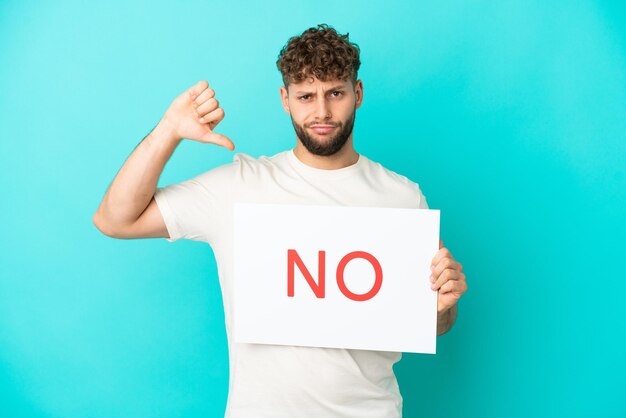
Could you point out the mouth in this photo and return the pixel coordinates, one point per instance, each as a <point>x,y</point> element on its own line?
<point>322,129</point>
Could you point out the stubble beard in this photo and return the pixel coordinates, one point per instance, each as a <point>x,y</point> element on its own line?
<point>330,146</point>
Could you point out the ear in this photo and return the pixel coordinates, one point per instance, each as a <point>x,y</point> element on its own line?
<point>358,92</point>
<point>284,97</point>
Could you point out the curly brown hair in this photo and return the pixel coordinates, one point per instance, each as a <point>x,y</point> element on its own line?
<point>320,52</point>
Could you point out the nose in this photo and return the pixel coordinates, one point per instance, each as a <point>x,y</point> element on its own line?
<point>323,110</point>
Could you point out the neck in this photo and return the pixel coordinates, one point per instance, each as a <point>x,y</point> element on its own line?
<point>345,157</point>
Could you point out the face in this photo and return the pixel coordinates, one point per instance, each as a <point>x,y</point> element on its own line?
<point>322,112</point>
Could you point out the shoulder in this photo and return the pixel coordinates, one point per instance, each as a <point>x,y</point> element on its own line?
<point>395,183</point>
<point>246,165</point>
<point>242,163</point>
<point>383,174</point>
<point>247,160</point>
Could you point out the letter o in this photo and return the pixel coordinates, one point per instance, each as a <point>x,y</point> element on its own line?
<point>378,282</point>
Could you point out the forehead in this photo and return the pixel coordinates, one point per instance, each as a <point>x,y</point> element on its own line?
<point>313,83</point>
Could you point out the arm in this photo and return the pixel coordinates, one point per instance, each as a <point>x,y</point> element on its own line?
<point>130,195</point>
<point>128,209</point>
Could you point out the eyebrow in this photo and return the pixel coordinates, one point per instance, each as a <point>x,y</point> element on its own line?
<point>338,87</point>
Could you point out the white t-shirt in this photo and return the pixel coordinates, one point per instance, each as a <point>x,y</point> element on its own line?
<point>290,381</point>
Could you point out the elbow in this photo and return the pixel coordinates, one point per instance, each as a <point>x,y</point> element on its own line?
<point>102,225</point>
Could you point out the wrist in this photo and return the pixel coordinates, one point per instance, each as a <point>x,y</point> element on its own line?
<point>443,314</point>
<point>164,133</point>
<point>445,319</point>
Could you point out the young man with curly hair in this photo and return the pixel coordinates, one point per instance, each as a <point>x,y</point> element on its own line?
<point>321,93</point>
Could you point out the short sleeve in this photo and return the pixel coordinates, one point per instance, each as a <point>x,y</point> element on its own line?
<point>423,203</point>
<point>421,199</point>
<point>194,208</point>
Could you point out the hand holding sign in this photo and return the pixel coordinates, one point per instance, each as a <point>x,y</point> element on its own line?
<point>195,113</point>
<point>447,277</point>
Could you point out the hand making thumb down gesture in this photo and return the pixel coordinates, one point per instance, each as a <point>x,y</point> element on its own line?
<point>195,113</point>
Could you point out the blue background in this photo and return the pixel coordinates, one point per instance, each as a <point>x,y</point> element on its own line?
<point>511,116</point>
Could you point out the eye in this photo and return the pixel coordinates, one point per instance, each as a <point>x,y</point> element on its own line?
<point>337,93</point>
<point>304,97</point>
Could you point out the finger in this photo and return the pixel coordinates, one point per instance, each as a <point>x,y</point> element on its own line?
<point>447,286</point>
<point>218,139</point>
<point>446,263</point>
<point>197,88</point>
<point>445,276</point>
<point>441,253</point>
<point>204,96</point>
<point>207,107</point>
<point>440,244</point>
<point>438,281</point>
<point>212,118</point>
<point>455,286</point>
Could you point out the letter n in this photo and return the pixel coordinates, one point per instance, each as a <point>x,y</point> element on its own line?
<point>319,287</point>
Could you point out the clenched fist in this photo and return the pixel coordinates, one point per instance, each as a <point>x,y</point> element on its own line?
<point>195,113</point>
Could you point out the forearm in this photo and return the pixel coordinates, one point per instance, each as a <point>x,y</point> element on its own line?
<point>134,185</point>
<point>446,319</point>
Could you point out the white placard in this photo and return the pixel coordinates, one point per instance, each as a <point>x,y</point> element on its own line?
<point>375,293</point>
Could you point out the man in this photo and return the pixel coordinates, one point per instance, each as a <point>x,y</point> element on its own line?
<point>321,93</point>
